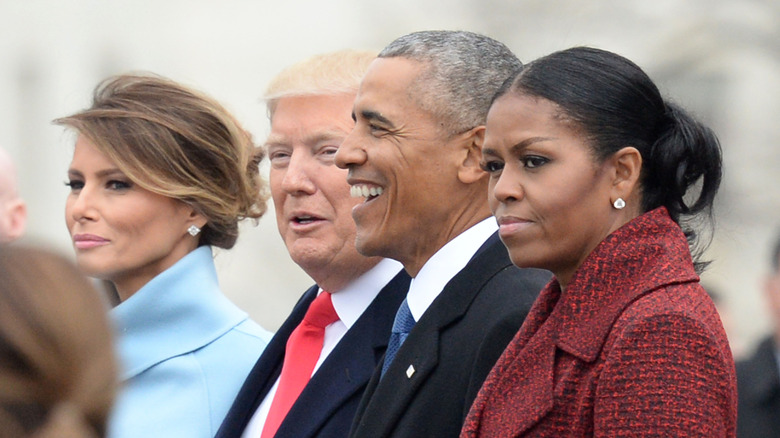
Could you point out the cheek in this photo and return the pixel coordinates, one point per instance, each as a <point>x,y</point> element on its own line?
<point>492,200</point>
<point>145,220</point>
<point>68,216</point>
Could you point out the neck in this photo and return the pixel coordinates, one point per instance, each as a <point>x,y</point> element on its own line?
<point>425,248</point>
<point>334,280</point>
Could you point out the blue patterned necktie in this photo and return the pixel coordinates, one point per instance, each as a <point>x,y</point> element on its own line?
<point>404,321</point>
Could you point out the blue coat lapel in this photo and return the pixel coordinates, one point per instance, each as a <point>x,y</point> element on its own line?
<point>264,373</point>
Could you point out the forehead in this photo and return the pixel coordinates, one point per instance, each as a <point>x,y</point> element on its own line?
<point>388,83</point>
<point>86,152</point>
<point>311,117</point>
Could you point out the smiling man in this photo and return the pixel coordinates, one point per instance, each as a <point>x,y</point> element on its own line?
<point>414,162</point>
<point>287,395</point>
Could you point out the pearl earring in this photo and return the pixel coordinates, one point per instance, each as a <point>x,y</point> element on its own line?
<point>619,203</point>
<point>193,230</point>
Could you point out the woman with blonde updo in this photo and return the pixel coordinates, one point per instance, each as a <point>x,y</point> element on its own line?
<point>160,174</point>
<point>57,367</point>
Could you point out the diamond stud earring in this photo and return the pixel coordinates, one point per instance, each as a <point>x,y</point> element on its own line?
<point>619,203</point>
<point>193,230</point>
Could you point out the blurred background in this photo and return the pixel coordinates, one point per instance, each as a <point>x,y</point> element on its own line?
<point>718,58</point>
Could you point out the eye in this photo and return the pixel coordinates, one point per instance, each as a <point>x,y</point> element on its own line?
<point>491,166</point>
<point>279,157</point>
<point>116,184</point>
<point>74,184</point>
<point>376,130</point>
<point>533,161</point>
<point>329,150</point>
<point>327,154</point>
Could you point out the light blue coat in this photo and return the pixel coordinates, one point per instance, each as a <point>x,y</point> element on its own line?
<point>184,351</point>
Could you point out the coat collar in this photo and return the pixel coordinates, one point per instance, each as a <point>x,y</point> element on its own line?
<point>178,311</point>
<point>349,366</point>
<point>421,349</point>
<point>649,252</point>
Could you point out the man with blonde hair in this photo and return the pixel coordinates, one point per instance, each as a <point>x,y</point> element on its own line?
<point>310,378</point>
<point>13,211</point>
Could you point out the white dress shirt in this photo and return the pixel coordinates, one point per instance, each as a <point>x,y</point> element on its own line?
<point>349,304</point>
<point>445,264</point>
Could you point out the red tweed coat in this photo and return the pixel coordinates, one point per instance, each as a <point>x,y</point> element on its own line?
<point>634,347</point>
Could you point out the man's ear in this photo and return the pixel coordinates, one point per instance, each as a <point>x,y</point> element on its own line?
<point>15,218</point>
<point>469,171</point>
<point>627,167</point>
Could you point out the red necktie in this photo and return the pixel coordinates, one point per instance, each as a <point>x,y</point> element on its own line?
<point>302,352</point>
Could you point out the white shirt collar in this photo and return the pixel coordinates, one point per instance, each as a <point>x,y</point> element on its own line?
<point>351,301</point>
<point>445,264</point>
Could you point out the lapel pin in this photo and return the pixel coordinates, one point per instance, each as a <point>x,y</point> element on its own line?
<point>410,372</point>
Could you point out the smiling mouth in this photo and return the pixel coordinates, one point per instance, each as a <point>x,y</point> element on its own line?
<point>365,191</point>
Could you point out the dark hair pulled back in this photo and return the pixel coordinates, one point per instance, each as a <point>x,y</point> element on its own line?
<point>615,104</point>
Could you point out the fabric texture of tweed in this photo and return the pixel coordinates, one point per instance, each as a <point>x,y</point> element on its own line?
<point>633,347</point>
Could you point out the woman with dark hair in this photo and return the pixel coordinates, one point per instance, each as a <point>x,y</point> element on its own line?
<point>160,175</point>
<point>598,179</point>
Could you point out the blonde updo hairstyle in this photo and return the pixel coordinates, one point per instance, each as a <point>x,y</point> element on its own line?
<point>58,374</point>
<point>177,142</point>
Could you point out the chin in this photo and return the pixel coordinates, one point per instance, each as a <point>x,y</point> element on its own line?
<point>367,248</point>
<point>520,261</point>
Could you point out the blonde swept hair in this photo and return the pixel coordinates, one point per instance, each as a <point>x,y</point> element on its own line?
<point>331,73</point>
<point>180,143</point>
<point>58,373</point>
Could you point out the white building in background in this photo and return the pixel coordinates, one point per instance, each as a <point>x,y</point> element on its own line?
<point>719,58</point>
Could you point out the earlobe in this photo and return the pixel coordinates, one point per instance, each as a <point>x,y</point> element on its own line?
<point>469,171</point>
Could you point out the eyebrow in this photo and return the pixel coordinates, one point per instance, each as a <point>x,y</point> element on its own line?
<point>374,115</point>
<point>100,174</point>
<point>315,137</point>
<point>519,146</point>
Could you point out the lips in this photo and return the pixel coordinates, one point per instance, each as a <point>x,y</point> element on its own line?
<point>302,219</point>
<point>510,225</point>
<point>87,241</point>
<point>305,219</point>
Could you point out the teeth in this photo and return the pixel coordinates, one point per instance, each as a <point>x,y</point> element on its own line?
<point>364,191</point>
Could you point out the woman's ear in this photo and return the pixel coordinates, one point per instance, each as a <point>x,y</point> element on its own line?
<point>196,218</point>
<point>627,165</point>
<point>469,171</point>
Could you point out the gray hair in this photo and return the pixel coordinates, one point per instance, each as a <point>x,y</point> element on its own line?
<point>463,70</point>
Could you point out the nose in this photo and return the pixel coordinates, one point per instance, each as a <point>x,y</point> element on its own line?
<point>350,152</point>
<point>296,178</point>
<point>80,206</point>
<point>506,187</point>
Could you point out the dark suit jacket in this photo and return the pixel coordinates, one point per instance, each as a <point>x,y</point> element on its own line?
<point>758,384</point>
<point>633,347</point>
<point>451,349</point>
<point>328,402</point>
